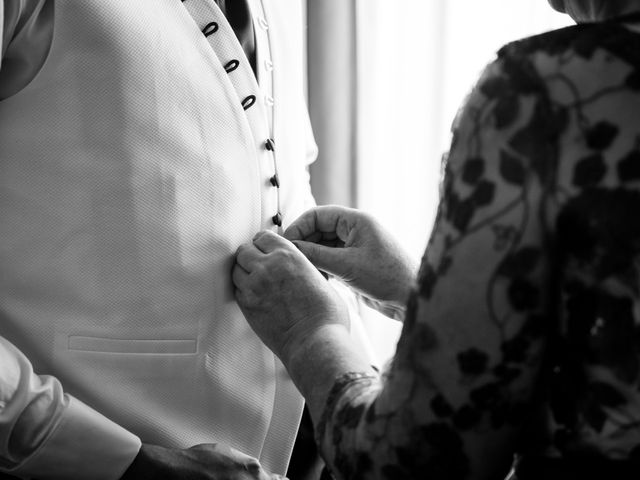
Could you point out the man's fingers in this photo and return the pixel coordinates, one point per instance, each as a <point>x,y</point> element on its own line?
<point>327,259</point>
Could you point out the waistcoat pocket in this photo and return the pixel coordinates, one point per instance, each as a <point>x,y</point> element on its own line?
<point>132,346</point>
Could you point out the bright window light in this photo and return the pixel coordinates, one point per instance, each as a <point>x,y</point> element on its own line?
<point>417,60</point>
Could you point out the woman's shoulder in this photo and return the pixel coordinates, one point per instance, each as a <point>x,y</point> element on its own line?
<point>552,42</point>
<point>582,40</point>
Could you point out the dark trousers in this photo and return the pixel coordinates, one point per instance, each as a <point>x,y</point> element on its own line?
<point>306,463</point>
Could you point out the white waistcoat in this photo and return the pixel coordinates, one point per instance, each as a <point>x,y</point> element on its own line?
<point>129,174</point>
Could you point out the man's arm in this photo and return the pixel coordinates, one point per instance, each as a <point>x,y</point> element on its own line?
<point>46,433</point>
<point>26,32</point>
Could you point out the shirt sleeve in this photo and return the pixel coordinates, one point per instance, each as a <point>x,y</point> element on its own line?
<point>26,32</point>
<point>44,432</point>
<point>453,401</point>
<point>48,434</point>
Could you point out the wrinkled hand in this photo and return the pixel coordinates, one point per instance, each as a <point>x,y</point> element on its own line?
<point>283,296</point>
<point>354,247</point>
<point>201,462</point>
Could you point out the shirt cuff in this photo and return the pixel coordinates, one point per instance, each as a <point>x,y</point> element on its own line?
<point>84,444</point>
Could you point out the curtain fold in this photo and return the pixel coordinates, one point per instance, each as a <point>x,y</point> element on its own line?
<point>369,66</point>
<point>385,80</point>
<point>332,79</point>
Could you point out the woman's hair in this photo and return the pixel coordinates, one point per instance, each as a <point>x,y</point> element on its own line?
<point>593,10</point>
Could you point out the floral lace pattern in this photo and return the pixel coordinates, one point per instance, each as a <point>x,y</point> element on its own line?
<point>523,333</point>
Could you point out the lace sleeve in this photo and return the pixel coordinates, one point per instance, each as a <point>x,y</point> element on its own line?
<point>452,402</point>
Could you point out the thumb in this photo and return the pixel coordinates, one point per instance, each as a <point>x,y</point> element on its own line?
<point>327,259</point>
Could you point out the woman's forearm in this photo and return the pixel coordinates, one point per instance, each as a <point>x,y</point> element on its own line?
<point>319,360</point>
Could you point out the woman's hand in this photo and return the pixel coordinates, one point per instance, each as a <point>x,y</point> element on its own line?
<point>283,296</point>
<point>354,247</point>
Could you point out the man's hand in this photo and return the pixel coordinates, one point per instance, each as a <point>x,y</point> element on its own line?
<point>283,296</point>
<point>201,462</point>
<point>354,247</point>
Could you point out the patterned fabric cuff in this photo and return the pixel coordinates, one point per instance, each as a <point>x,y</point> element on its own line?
<point>342,383</point>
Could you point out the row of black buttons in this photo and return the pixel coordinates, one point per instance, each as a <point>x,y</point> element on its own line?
<point>209,29</point>
<point>270,145</point>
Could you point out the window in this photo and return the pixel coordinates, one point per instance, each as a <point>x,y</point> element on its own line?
<point>405,68</point>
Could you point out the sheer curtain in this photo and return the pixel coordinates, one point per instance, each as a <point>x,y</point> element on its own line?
<point>386,78</point>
